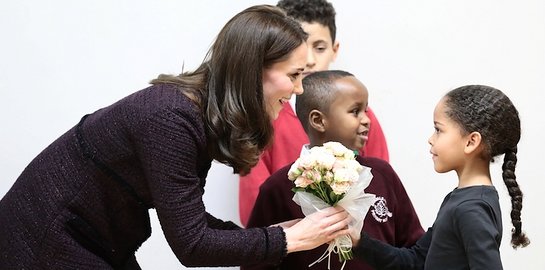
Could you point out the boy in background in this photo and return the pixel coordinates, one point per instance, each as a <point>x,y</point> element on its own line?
<point>317,18</point>
<point>333,107</point>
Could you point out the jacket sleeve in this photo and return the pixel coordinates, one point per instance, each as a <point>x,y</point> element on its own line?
<point>217,223</point>
<point>386,257</point>
<point>171,146</point>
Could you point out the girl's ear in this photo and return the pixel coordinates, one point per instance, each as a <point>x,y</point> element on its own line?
<point>316,120</point>
<point>473,143</point>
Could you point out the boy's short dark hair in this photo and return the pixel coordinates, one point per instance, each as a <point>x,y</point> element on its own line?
<point>319,92</point>
<point>310,11</point>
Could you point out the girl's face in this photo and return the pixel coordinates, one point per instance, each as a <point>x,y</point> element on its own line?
<point>346,120</point>
<point>283,79</point>
<point>447,142</point>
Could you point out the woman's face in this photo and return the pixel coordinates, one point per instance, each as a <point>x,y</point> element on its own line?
<point>283,79</point>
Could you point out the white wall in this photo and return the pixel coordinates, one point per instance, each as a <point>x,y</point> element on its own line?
<point>61,59</point>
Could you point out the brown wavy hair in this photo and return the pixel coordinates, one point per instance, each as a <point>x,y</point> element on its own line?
<point>228,85</point>
<point>491,113</point>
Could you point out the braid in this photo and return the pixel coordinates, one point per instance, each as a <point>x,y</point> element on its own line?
<point>518,238</point>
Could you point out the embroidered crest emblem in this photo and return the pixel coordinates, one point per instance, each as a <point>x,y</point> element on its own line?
<point>380,210</point>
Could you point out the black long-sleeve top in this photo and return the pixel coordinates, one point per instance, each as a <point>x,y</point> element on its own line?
<point>465,235</point>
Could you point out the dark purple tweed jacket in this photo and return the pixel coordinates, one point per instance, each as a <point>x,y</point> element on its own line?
<point>83,202</point>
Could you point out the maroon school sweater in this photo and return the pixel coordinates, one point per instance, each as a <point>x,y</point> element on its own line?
<point>391,218</point>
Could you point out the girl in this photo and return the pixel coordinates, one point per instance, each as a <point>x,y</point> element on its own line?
<point>473,124</point>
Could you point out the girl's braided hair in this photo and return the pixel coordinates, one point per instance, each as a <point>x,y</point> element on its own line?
<point>490,112</point>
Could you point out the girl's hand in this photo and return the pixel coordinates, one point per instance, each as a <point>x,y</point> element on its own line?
<point>355,236</point>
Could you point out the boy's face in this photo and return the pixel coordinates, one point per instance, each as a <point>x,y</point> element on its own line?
<point>321,50</point>
<point>346,120</point>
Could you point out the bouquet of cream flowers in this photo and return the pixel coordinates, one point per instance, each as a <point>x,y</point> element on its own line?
<point>330,175</point>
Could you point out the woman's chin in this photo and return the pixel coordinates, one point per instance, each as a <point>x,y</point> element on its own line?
<point>273,114</point>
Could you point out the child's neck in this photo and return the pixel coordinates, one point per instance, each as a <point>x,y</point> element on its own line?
<point>475,173</point>
<point>475,181</point>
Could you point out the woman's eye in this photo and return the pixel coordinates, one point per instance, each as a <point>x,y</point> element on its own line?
<point>294,76</point>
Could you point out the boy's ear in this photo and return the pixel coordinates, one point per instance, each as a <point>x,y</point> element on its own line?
<point>335,50</point>
<point>473,142</point>
<point>316,120</point>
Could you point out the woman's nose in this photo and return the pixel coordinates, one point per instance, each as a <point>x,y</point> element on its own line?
<point>298,88</point>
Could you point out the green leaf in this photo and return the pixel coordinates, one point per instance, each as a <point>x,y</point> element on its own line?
<point>296,189</point>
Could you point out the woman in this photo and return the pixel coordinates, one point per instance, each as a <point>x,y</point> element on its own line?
<point>83,202</point>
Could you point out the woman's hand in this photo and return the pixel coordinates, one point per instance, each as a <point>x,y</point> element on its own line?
<point>316,229</point>
<point>287,224</point>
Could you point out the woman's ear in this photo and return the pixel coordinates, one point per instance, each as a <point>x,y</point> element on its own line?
<point>316,120</point>
<point>473,143</point>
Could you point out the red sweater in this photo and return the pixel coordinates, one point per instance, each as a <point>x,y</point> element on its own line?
<point>391,219</point>
<point>289,137</point>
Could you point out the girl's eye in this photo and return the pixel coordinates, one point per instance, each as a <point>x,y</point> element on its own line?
<point>436,130</point>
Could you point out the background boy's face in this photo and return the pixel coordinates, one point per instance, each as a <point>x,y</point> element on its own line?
<point>346,120</point>
<point>321,50</point>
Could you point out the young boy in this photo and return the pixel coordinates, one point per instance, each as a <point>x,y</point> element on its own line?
<point>334,108</point>
<point>318,20</point>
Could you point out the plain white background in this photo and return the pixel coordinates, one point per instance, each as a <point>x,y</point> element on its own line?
<point>62,59</point>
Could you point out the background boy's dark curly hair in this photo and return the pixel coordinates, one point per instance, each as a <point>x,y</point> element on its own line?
<point>310,11</point>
